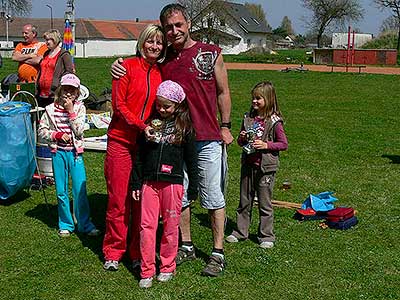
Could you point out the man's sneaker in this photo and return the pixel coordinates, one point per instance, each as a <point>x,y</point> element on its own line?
<point>111,265</point>
<point>164,277</point>
<point>146,283</point>
<point>231,239</point>
<point>184,255</point>
<point>94,232</point>
<point>63,233</point>
<point>215,266</point>
<point>266,245</point>
<point>135,264</point>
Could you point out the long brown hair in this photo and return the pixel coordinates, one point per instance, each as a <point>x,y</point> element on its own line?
<point>266,90</point>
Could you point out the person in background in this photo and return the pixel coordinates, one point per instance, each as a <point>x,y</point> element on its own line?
<point>132,100</point>
<point>262,136</point>
<point>199,68</point>
<point>29,54</point>
<point>55,63</point>
<point>62,126</point>
<point>158,180</point>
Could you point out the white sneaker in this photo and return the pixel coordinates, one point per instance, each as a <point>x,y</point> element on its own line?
<point>164,277</point>
<point>231,239</point>
<point>111,265</point>
<point>146,283</point>
<point>63,233</point>
<point>266,245</point>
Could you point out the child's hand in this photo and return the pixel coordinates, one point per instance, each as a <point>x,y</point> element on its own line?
<point>136,195</point>
<point>259,145</point>
<point>68,104</point>
<point>149,132</point>
<point>243,135</point>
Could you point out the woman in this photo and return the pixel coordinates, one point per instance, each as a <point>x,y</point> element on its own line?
<point>132,100</point>
<point>55,63</point>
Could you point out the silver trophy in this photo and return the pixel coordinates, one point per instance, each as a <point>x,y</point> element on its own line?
<point>156,124</point>
<point>250,135</point>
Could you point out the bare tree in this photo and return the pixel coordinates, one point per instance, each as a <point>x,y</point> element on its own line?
<point>194,7</point>
<point>258,12</point>
<point>394,6</point>
<point>16,7</point>
<point>286,25</point>
<point>329,12</point>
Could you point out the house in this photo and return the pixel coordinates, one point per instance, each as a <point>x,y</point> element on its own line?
<point>93,38</point>
<point>287,42</point>
<point>231,26</point>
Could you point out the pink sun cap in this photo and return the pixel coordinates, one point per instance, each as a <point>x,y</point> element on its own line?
<point>70,79</point>
<point>171,90</point>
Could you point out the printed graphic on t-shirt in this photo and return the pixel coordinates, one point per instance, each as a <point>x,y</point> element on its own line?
<point>204,63</point>
<point>166,169</point>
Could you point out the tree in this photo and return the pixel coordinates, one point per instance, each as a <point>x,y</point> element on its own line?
<point>326,13</point>
<point>16,7</point>
<point>258,12</point>
<point>390,24</point>
<point>194,7</point>
<point>286,25</point>
<point>394,6</point>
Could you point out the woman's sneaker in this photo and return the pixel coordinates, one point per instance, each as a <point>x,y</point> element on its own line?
<point>94,232</point>
<point>63,233</point>
<point>146,283</point>
<point>164,277</point>
<point>231,239</point>
<point>266,245</point>
<point>111,265</point>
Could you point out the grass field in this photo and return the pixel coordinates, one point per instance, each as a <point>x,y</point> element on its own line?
<point>343,136</point>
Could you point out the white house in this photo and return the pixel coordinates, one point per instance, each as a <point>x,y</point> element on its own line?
<point>231,26</point>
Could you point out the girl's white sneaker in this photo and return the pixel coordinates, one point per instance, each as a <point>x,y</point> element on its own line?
<point>146,283</point>
<point>164,277</point>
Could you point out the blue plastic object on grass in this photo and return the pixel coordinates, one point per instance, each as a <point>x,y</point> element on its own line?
<point>321,202</point>
<point>17,148</point>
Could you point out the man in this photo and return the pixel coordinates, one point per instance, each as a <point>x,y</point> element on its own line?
<point>200,70</point>
<point>29,54</point>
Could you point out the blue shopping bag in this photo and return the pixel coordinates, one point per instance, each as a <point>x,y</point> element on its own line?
<point>321,202</point>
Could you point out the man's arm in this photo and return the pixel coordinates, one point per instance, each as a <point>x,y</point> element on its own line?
<point>117,69</point>
<point>223,98</point>
<point>19,57</point>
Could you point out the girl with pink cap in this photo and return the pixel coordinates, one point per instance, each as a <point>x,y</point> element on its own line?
<point>157,179</point>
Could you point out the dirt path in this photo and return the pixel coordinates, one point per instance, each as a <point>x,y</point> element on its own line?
<point>318,68</point>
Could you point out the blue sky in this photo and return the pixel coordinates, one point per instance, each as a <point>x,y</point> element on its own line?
<point>142,9</point>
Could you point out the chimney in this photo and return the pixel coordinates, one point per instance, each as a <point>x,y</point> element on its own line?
<point>137,20</point>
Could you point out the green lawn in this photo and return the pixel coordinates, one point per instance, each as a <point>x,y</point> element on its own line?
<point>343,136</point>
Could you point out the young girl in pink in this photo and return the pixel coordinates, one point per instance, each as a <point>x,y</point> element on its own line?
<point>158,179</point>
<point>262,137</point>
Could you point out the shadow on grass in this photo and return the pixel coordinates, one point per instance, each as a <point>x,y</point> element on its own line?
<point>18,197</point>
<point>395,159</point>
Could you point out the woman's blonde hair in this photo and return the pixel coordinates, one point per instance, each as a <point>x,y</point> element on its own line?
<point>53,34</point>
<point>149,32</point>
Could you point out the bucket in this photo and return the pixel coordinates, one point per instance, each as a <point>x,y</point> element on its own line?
<point>43,155</point>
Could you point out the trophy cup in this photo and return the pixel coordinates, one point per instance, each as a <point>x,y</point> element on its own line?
<point>248,148</point>
<point>157,126</point>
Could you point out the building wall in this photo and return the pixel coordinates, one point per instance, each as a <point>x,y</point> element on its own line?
<point>102,48</point>
<point>361,56</point>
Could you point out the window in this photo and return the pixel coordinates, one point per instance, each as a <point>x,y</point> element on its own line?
<point>244,20</point>
<point>248,43</point>
<point>222,22</point>
<point>255,21</point>
<point>209,22</point>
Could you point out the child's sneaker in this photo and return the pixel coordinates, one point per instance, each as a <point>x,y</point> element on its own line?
<point>111,265</point>
<point>94,232</point>
<point>63,233</point>
<point>231,239</point>
<point>146,283</point>
<point>266,245</point>
<point>184,255</point>
<point>164,277</point>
